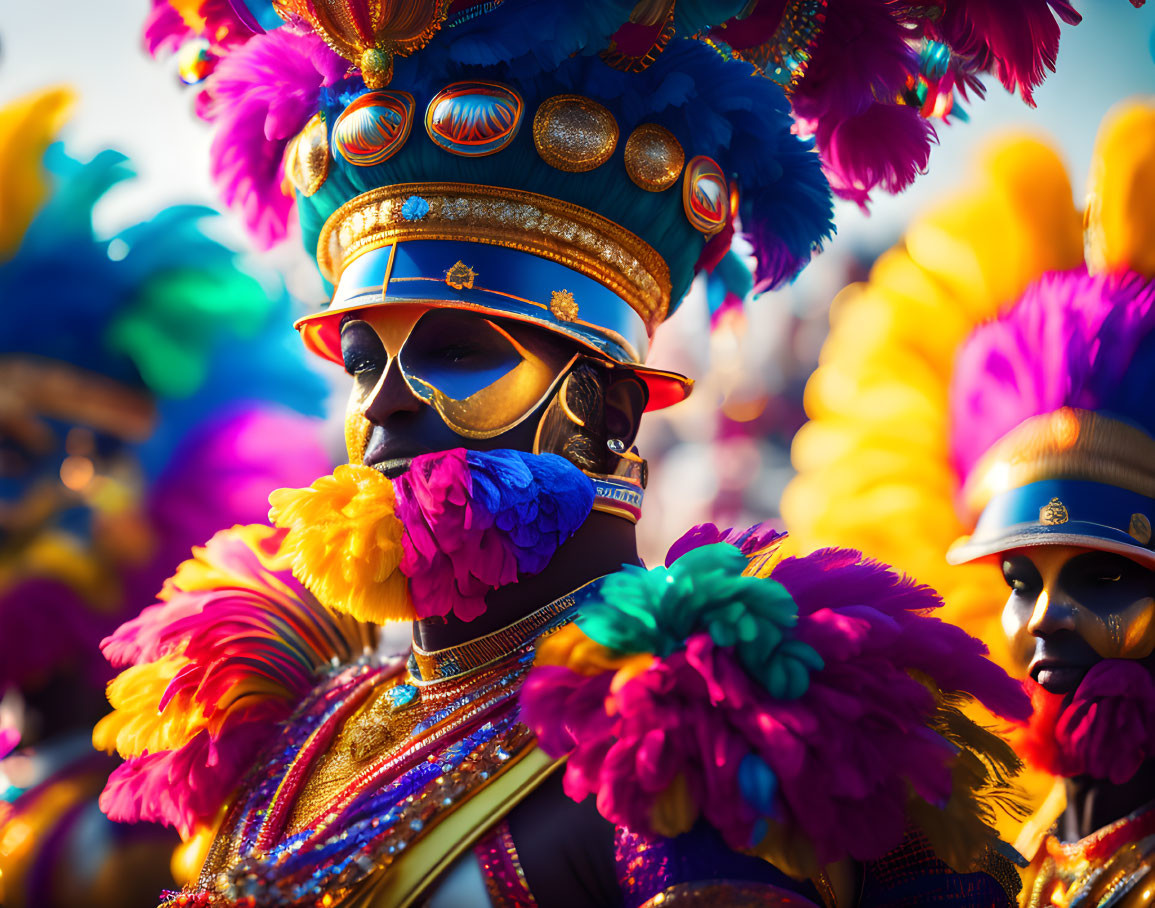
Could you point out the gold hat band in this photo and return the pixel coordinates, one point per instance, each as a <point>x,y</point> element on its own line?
<point>1065,444</point>
<point>558,231</point>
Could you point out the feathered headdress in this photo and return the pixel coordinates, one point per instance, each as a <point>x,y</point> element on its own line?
<point>400,130</point>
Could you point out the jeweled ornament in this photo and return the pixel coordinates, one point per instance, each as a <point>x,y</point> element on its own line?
<point>307,157</point>
<point>474,118</point>
<point>373,127</point>
<point>195,61</point>
<point>654,157</point>
<point>573,133</point>
<point>705,195</point>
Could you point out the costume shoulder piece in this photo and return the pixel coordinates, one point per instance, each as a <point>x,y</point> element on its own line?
<point>232,648</point>
<point>807,708</point>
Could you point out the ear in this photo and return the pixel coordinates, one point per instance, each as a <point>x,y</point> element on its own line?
<point>626,399</point>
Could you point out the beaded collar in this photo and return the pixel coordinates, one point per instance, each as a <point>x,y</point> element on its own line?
<point>428,666</point>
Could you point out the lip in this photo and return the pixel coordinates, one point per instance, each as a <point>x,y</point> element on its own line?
<point>1056,676</point>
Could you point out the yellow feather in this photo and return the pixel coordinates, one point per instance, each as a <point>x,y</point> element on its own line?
<point>136,724</point>
<point>27,127</point>
<point>1120,216</point>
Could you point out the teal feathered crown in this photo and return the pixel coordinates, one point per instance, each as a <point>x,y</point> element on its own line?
<point>572,165</point>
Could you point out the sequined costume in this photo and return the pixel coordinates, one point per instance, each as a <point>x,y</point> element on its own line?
<point>125,437</point>
<point>1020,426</point>
<point>506,200</point>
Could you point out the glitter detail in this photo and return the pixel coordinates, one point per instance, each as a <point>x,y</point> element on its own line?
<point>414,208</point>
<point>710,893</point>
<point>500,866</point>
<point>307,157</point>
<point>1113,862</point>
<point>472,655</point>
<point>785,57</point>
<point>573,133</point>
<point>555,230</point>
<point>563,305</point>
<point>653,157</point>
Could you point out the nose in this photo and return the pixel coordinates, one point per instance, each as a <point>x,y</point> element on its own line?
<point>1053,612</point>
<point>391,396</point>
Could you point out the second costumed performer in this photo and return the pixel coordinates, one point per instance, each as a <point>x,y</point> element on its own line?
<point>508,199</point>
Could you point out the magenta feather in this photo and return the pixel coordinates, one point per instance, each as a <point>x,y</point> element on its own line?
<point>1068,342</point>
<point>1019,43</point>
<point>259,97</point>
<point>254,643</point>
<point>1106,729</point>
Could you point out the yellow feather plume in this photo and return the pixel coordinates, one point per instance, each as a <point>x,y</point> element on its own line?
<point>1120,218</point>
<point>136,725</point>
<point>27,128</point>
<point>874,471</point>
<point>344,541</point>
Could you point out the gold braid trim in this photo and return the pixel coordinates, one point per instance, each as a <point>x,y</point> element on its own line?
<point>1067,444</point>
<point>559,231</point>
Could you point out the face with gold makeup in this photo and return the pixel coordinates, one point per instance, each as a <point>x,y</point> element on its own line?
<point>431,378</point>
<point>1071,606</point>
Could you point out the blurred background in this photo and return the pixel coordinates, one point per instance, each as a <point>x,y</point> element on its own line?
<point>724,454</point>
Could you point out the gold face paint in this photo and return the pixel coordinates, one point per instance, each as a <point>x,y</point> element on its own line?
<point>483,376</point>
<point>1104,598</point>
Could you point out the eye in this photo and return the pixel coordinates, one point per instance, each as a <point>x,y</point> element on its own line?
<point>361,349</point>
<point>1016,578</point>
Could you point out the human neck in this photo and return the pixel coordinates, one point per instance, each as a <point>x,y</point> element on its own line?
<point>1095,803</point>
<point>600,546</point>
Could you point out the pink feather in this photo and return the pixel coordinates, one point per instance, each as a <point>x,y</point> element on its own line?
<point>259,97</point>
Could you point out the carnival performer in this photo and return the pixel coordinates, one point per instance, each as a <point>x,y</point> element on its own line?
<point>1039,426</point>
<point>507,199</point>
<point>149,392</point>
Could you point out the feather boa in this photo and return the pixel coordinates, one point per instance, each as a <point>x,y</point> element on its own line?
<point>432,543</point>
<point>809,715</point>
<point>231,648</point>
<point>1105,729</point>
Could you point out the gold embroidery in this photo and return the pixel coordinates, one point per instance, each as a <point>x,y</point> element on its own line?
<point>555,230</point>
<point>1053,513</point>
<point>460,276</point>
<point>563,305</point>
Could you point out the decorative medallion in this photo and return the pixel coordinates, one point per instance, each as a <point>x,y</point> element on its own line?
<point>373,127</point>
<point>307,157</point>
<point>563,305</point>
<point>705,195</point>
<point>573,133</point>
<point>369,33</point>
<point>460,277</point>
<point>654,158</point>
<point>1053,513</point>
<point>474,118</point>
<point>1140,529</point>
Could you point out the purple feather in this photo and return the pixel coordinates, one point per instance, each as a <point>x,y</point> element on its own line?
<point>1068,342</point>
